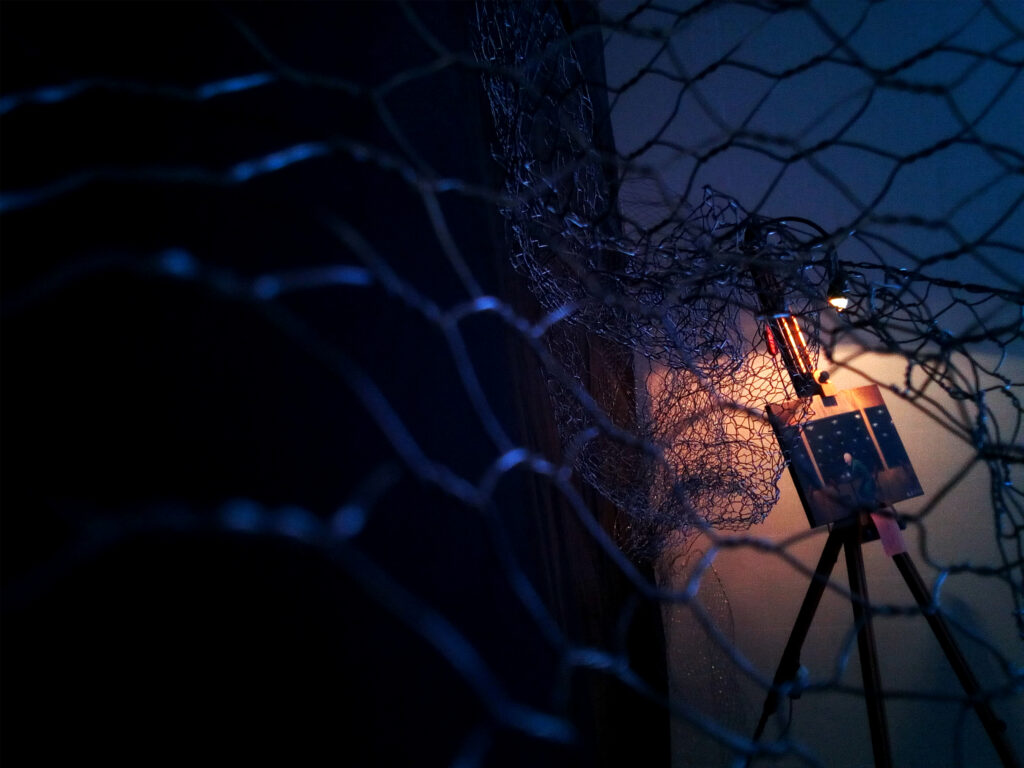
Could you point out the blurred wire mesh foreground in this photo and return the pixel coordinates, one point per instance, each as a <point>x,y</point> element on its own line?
<point>326,400</point>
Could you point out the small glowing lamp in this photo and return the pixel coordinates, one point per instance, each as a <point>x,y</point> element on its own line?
<point>839,301</point>
<point>837,289</point>
<point>839,285</point>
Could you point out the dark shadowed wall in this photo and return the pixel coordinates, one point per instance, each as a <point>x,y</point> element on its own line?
<point>237,462</point>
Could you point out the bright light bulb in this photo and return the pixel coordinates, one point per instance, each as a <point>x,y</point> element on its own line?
<point>839,302</point>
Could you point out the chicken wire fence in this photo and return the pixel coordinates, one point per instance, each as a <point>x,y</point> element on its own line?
<point>646,166</point>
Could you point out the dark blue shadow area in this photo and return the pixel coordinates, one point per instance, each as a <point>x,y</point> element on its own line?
<point>143,392</point>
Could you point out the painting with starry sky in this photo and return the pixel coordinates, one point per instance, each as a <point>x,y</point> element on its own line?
<point>845,454</point>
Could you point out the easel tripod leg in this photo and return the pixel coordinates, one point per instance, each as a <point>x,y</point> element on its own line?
<point>867,649</point>
<point>790,663</point>
<point>995,727</point>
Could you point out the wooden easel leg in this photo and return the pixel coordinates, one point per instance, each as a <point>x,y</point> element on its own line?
<point>789,666</point>
<point>880,744</point>
<point>995,727</point>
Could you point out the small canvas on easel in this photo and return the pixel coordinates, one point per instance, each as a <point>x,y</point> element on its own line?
<point>845,455</point>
